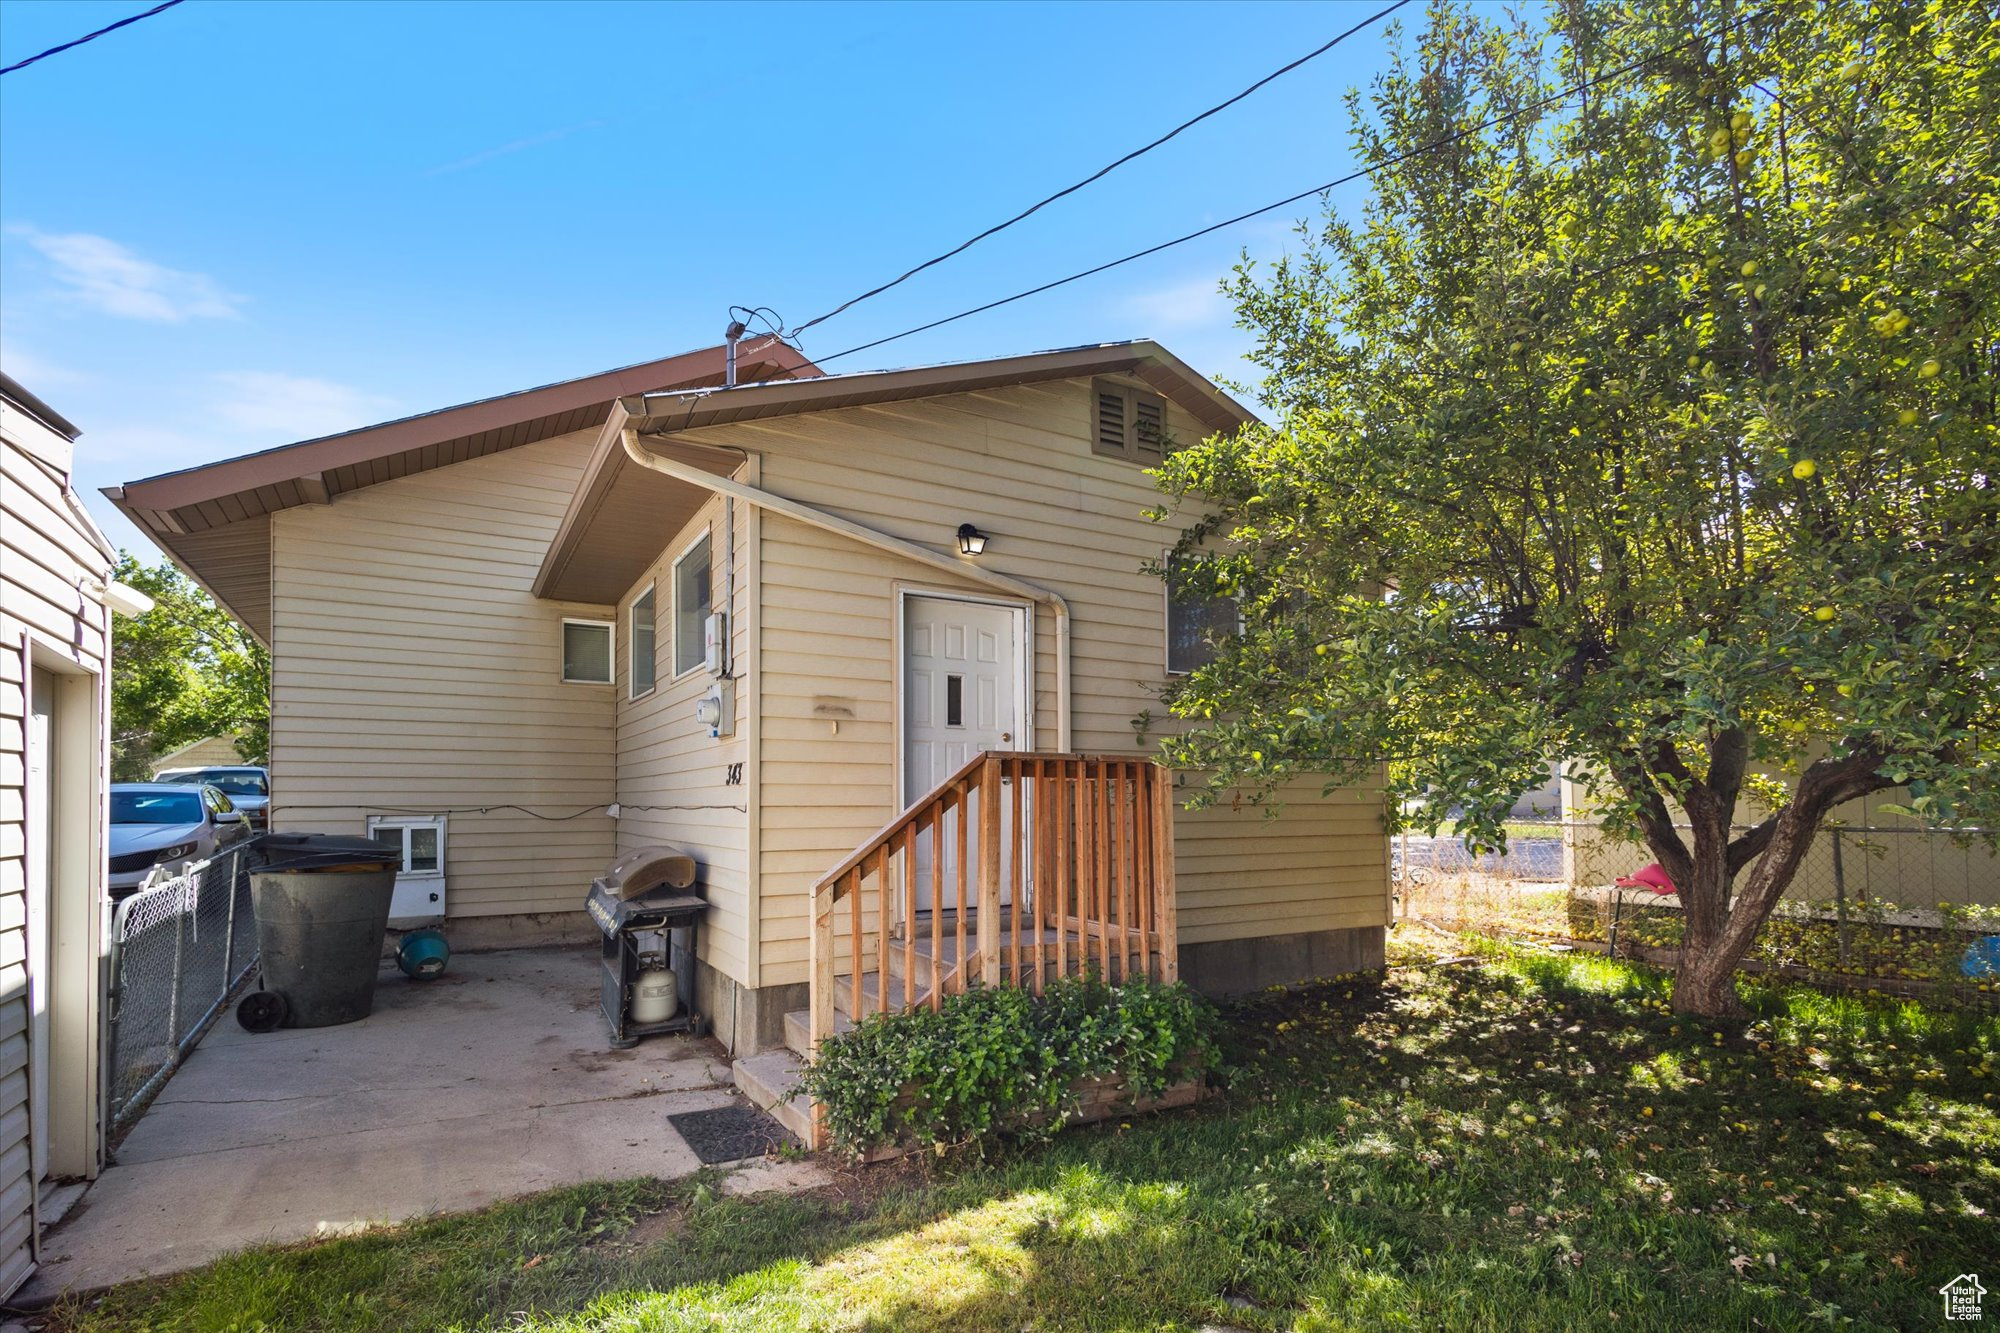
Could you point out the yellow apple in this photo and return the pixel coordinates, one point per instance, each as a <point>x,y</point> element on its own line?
<point>1928,370</point>
<point>1824,614</point>
<point>1804,469</point>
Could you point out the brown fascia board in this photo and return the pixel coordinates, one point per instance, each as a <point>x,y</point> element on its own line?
<point>211,481</point>
<point>666,411</point>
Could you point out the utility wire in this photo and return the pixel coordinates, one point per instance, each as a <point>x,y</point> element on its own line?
<point>1103,172</point>
<point>89,37</point>
<point>1441,141</point>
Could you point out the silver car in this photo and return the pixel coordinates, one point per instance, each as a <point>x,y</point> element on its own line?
<point>167,824</point>
<point>248,786</point>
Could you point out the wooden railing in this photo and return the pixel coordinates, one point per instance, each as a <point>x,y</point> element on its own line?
<point>1018,868</point>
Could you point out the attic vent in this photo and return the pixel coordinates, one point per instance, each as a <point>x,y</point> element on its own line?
<point>1128,423</point>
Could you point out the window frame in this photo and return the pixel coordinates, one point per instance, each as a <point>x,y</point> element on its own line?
<point>674,573</point>
<point>405,824</point>
<point>632,690</point>
<point>610,627</point>
<point>1129,452</point>
<point>1167,621</point>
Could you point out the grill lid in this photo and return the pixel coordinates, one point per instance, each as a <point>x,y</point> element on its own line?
<point>648,868</point>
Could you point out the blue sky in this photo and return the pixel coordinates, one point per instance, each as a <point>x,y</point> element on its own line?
<point>238,224</point>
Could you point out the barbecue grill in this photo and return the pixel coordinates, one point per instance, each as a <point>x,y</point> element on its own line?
<point>649,907</point>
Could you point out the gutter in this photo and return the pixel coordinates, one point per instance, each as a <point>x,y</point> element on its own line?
<point>881,541</point>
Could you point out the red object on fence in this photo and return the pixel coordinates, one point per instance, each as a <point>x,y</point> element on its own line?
<point>1648,877</point>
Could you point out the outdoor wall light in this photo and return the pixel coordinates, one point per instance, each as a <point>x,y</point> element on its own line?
<point>971,541</point>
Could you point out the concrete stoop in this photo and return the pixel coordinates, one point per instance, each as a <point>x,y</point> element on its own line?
<point>771,1081</point>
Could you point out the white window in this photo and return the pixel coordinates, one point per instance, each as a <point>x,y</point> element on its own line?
<point>1128,423</point>
<point>645,647</point>
<point>418,838</point>
<point>1194,625</point>
<point>586,652</point>
<point>694,598</point>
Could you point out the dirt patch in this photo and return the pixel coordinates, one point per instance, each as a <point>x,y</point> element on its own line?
<point>596,1062</point>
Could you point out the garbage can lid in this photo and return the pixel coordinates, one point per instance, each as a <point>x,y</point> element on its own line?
<point>289,852</point>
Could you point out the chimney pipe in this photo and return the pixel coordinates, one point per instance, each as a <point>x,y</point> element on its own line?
<point>730,335</point>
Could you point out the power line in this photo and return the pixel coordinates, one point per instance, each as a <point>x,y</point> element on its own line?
<point>1104,171</point>
<point>1440,142</point>
<point>89,37</point>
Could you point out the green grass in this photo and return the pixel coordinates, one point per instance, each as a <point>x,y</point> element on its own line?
<point>1523,1141</point>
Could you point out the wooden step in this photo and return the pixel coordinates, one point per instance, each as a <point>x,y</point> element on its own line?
<point>771,1081</point>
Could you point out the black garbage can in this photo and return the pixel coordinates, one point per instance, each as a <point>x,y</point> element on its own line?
<point>322,905</point>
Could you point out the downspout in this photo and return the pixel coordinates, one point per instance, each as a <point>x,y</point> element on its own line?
<point>881,541</point>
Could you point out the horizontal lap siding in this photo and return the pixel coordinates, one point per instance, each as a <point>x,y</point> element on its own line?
<point>668,761</point>
<point>1017,463</point>
<point>415,671</point>
<point>49,566</point>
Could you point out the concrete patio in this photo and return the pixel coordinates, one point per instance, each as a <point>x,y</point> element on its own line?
<point>492,1081</point>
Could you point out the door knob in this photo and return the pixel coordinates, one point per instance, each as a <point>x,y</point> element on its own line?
<point>1006,738</point>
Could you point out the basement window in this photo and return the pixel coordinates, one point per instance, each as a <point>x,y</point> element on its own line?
<point>586,652</point>
<point>1127,423</point>
<point>418,839</point>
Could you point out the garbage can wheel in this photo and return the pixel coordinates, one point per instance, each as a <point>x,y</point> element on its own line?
<point>263,1011</point>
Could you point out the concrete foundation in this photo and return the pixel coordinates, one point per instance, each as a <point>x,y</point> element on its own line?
<point>746,1019</point>
<point>528,930</point>
<point>1232,967</point>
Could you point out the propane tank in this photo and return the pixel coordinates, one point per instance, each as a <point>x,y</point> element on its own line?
<point>656,994</point>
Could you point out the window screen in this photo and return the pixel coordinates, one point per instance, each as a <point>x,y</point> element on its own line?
<point>1194,624</point>
<point>693,600</point>
<point>587,652</point>
<point>645,667</point>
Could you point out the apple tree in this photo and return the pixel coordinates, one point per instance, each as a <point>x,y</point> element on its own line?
<point>1644,416</point>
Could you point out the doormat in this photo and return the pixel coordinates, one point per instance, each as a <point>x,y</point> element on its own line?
<point>729,1133</point>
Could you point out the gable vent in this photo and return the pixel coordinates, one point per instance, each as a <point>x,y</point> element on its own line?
<point>1110,421</point>
<point>1128,423</point>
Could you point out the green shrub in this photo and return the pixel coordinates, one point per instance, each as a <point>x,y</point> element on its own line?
<point>1000,1058</point>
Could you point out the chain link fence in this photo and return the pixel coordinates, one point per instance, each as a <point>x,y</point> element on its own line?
<point>1903,910</point>
<point>179,950</point>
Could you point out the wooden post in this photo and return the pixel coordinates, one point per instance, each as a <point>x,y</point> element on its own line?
<point>989,872</point>
<point>1018,847</point>
<point>820,994</point>
<point>883,916</point>
<point>937,913</point>
<point>852,879</point>
<point>1169,907</point>
<point>1144,821</point>
<point>1057,799</point>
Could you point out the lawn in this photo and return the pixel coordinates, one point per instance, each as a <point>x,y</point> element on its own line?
<point>1514,1140</point>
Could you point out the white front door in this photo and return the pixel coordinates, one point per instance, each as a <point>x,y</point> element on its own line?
<point>962,674</point>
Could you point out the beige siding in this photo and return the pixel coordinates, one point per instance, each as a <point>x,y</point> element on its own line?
<point>1018,463</point>
<point>52,616</point>
<point>210,752</point>
<point>414,670</point>
<point>672,775</point>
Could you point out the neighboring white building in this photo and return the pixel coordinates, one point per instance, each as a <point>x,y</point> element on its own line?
<point>56,600</point>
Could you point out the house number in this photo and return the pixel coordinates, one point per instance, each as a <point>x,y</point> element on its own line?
<point>732,776</point>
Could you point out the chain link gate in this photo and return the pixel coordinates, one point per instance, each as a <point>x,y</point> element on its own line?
<point>179,950</point>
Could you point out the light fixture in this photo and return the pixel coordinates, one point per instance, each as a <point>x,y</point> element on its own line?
<point>971,541</point>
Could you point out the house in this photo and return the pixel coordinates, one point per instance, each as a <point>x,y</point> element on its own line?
<point>776,622</point>
<point>56,601</point>
<point>208,752</point>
